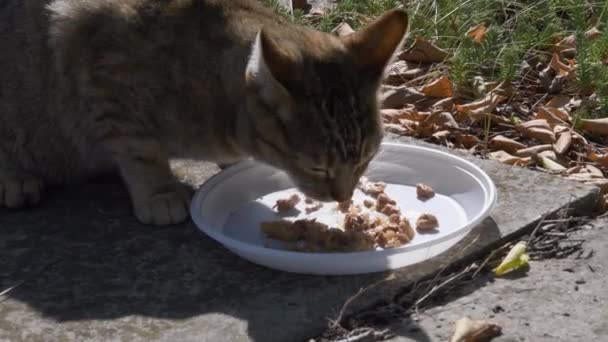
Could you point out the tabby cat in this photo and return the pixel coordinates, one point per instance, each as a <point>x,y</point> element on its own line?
<point>93,86</point>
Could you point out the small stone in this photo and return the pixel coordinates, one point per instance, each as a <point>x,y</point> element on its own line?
<point>580,281</point>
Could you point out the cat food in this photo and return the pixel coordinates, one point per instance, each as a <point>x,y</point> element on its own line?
<point>383,200</point>
<point>288,204</point>
<point>314,207</point>
<point>345,206</point>
<point>309,200</point>
<point>371,188</point>
<point>424,191</point>
<point>360,232</point>
<point>427,222</point>
<point>368,203</point>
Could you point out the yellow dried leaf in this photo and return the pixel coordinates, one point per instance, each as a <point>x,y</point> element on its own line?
<point>467,330</point>
<point>408,112</point>
<point>593,33</point>
<point>500,142</point>
<point>423,51</point>
<point>508,159</point>
<point>343,29</point>
<point>568,42</point>
<point>516,258</point>
<point>548,163</point>
<point>563,143</point>
<point>441,87</point>
<point>595,126</point>
<point>478,33</point>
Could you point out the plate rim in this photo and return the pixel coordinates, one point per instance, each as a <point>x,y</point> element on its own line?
<point>232,243</point>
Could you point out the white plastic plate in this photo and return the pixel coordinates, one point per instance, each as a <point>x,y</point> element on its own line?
<point>230,206</point>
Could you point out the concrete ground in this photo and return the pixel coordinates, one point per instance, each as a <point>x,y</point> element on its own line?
<point>83,269</point>
<point>556,300</point>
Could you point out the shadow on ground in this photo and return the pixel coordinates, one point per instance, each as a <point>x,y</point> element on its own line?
<point>100,264</point>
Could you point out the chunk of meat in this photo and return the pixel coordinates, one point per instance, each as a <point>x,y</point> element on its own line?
<point>424,191</point>
<point>287,204</point>
<point>426,222</point>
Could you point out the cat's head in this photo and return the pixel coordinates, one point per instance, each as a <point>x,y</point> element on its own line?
<point>313,101</point>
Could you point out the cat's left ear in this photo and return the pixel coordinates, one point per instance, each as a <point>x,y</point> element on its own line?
<point>374,46</point>
<point>269,70</point>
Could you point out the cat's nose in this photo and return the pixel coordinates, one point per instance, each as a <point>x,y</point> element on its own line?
<point>341,193</point>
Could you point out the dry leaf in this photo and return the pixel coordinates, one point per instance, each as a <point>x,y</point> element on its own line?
<point>548,163</point>
<point>601,159</point>
<point>564,141</point>
<point>508,159</point>
<point>467,330</point>
<point>437,121</point>
<point>568,42</point>
<point>409,112</point>
<point>401,71</point>
<point>593,33</point>
<point>478,33</point>
<point>343,29</point>
<point>558,101</point>
<point>500,142</point>
<point>396,129</point>
<point>444,104</point>
<point>552,115</point>
<point>515,259</point>
<point>485,105</point>
<point>423,51</point>
<point>561,68</point>
<point>466,140</point>
<point>441,87</point>
<point>600,183</point>
<point>534,150</point>
<point>399,96</point>
<point>538,129</point>
<point>595,126</point>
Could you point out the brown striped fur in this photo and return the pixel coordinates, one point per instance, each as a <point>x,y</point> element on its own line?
<point>103,85</point>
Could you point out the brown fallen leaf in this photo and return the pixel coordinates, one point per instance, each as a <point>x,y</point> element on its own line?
<point>478,33</point>
<point>441,87</point>
<point>564,141</point>
<point>482,106</point>
<point>444,104</point>
<point>558,101</point>
<point>500,142</point>
<point>508,159</point>
<point>408,112</point>
<point>534,150</point>
<point>423,51</point>
<point>552,115</point>
<point>343,29</point>
<point>595,126</point>
<point>467,330</point>
<point>437,121</point>
<point>397,97</point>
<point>466,140</point>
<point>538,129</point>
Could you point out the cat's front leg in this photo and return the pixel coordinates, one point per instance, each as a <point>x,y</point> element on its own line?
<point>157,196</point>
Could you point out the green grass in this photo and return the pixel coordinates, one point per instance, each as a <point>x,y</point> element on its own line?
<point>519,32</point>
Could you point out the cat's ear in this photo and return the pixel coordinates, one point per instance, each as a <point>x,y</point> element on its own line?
<point>374,46</point>
<point>268,69</point>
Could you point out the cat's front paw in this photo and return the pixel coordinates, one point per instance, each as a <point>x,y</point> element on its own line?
<point>18,192</point>
<point>164,208</point>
